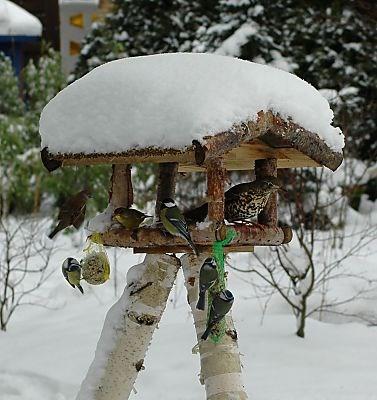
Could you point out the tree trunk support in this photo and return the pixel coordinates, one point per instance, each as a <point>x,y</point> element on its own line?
<point>128,330</point>
<point>216,176</point>
<point>265,169</point>
<point>121,193</point>
<point>220,363</point>
<point>167,174</point>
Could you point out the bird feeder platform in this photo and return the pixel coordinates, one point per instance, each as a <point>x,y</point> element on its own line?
<point>264,143</point>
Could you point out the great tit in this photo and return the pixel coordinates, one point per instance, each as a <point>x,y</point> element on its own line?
<point>221,305</point>
<point>207,278</point>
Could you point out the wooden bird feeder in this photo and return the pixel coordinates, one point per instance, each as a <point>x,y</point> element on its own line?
<point>264,145</point>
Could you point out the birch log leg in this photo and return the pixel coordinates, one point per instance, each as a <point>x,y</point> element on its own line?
<point>128,329</point>
<point>220,363</point>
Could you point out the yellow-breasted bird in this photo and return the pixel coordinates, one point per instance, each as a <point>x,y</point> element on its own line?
<point>129,217</point>
<point>71,270</point>
<point>174,222</point>
<point>207,278</point>
<point>221,304</point>
<point>72,212</point>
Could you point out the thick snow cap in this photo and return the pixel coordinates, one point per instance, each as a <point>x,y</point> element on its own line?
<point>15,21</point>
<point>168,100</point>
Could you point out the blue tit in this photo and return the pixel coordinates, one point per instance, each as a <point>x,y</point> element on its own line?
<point>129,218</point>
<point>221,305</point>
<point>71,269</point>
<point>207,278</point>
<point>174,222</point>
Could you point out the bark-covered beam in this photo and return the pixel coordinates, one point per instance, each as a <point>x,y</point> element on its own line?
<point>216,176</point>
<point>247,235</point>
<point>266,169</point>
<point>269,127</point>
<point>167,175</point>
<point>121,193</point>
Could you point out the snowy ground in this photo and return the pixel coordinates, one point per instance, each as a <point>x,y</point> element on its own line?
<point>46,352</point>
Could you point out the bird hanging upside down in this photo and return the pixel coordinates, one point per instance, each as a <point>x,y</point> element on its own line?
<point>221,305</point>
<point>207,278</point>
<point>71,270</point>
<point>72,212</point>
<point>129,217</point>
<point>243,201</point>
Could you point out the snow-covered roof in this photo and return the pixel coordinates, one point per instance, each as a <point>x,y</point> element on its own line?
<point>166,101</point>
<point>15,21</point>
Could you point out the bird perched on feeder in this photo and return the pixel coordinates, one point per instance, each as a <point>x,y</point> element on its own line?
<point>221,305</point>
<point>129,217</point>
<point>174,222</point>
<point>71,269</point>
<point>207,278</point>
<point>242,201</point>
<point>248,199</point>
<point>72,212</point>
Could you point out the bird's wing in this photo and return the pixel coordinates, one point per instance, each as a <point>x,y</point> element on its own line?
<point>65,273</point>
<point>181,226</point>
<point>235,191</point>
<point>78,218</point>
<point>72,205</point>
<point>176,218</point>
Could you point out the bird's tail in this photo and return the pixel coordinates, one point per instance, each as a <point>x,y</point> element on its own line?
<point>206,332</point>
<point>192,245</point>
<point>201,301</point>
<point>54,232</point>
<point>80,288</point>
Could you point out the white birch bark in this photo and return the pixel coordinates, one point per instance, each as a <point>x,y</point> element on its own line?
<point>220,363</point>
<point>128,329</point>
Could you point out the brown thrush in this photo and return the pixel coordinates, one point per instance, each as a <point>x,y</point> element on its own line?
<point>242,201</point>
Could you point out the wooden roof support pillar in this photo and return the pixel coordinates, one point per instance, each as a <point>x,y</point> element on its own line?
<point>167,176</point>
<point>121,193</point>
<point>264,169</point>
<point>216,176</point>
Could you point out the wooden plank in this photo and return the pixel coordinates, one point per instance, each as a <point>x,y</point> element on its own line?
<point>187,157</point>
<point>241,158</point>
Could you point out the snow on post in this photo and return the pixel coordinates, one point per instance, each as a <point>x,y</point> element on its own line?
<point>220,363</point>
<point>128,329</point>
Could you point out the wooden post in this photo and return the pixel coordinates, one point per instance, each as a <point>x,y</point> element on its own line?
<point>264,169</point>
<point>216,175</point>
<point>121,193</point>
<point>167,174</point>
<point>220,363</point>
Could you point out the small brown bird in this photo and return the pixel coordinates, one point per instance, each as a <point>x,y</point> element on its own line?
<point>72,212</point>
<point>242,201</point>
<point>129,217</point>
